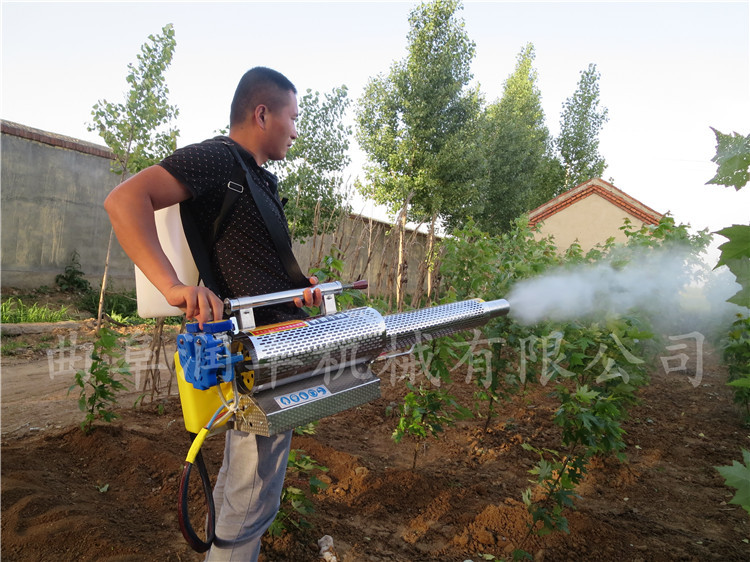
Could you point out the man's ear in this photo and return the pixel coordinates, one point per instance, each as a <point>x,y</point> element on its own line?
<point>260,114</point>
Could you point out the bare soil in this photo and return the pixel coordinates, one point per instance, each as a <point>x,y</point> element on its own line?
<point>112,495</point>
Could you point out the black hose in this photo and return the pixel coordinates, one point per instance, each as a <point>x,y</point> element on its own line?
<point>183,516</point>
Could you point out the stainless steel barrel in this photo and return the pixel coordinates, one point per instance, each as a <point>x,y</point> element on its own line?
<point>295,350</point>
<point>292,351</point>
<point>406,328</point>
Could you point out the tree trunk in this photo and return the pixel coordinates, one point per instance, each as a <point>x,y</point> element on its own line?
<point>153,375</point>
<point>369,258</point>
<point>104,282</point>
<point>425,266</point>
<point>401,266</point>
<point>431,256</point>
<point>490,413</point>
<point>317,237</point>
<point>356,272</point>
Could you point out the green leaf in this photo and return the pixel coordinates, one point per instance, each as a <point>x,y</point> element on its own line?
<point>733,158</point>
<point>741,270</point>
<point>738,246</point>
<point>277,527</point>
<point>742,298</point>
<point>316,485</point>
<point>526,497</point>
<point>735,254</point>
<point>738,476</point>
<point>740,383</point>
<point>519,554</point>
<point>583,394</point>
<point>576,359</point>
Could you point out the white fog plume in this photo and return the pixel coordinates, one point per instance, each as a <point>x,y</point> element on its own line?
<point>661,282</point>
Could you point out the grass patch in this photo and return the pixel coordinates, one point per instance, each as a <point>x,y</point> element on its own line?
<point>121,306</point>
<point>14,311</point>
<point>122,303</point>
<point>12,346</point>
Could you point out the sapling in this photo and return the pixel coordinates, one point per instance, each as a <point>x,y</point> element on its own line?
<point>100,383</point>
<point>426,412</point>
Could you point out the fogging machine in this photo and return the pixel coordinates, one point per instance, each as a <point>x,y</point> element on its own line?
<point>270,379</point>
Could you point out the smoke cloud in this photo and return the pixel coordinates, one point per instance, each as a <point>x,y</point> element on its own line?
<point>667,285</point>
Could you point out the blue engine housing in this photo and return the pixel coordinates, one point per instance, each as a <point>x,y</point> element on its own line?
<point>204,357</point>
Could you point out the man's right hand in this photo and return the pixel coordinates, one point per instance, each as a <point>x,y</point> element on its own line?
<point>197,303</point>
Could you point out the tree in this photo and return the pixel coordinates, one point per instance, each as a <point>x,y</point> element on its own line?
<point>521,171</point>
<point>312,175</point>
<point>414,125</point>
<point>581,121</point>
<point>139,130</point>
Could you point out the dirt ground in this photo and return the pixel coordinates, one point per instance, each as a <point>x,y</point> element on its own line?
<point>112,495</point>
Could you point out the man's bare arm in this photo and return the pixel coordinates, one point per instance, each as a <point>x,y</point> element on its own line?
<point>131,207</point>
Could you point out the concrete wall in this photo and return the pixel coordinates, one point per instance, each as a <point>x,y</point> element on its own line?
<point>52,191</point>
<point>53,188</point>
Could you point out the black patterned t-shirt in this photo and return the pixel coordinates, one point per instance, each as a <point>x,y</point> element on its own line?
<point>244,258</point>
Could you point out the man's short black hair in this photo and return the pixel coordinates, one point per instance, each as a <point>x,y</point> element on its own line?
<point>259,85</point>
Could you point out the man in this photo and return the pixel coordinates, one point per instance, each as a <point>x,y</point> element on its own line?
<point>244,261</point>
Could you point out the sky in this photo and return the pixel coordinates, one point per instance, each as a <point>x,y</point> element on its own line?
<point>669,72</point>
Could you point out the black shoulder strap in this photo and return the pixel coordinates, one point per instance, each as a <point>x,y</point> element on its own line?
<point>278,236</point>
<point>198,248</point>
<point>233,192</point>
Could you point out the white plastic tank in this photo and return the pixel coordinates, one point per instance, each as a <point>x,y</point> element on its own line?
<point>151,303</point>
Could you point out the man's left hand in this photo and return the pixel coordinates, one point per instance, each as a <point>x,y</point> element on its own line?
<point>311,296</point>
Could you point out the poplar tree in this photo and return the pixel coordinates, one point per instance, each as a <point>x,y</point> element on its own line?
<point>521,170</point>
<point>415,125</point>
<point>581,122</point>
<point>139,130</point>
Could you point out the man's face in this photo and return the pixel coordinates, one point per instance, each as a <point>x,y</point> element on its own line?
<point>280,128</point>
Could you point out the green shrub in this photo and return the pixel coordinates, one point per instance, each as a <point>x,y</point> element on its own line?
<point>72,279</point>
<point>295,502</point>
<point>426,412</point>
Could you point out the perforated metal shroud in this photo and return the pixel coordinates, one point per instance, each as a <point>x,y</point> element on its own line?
<point>318,345</point>
<point>407,328</point>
